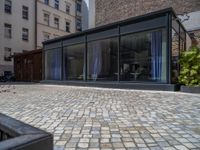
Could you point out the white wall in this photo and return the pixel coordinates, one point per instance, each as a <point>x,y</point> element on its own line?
<point>15,19</point>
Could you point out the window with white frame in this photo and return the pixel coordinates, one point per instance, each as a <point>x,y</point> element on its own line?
<point>67,8</point>
<point>8,6</point>
<point>7,30</point>
<point>7,54</point>
<point>46,2</point>
<point>25,12</point>
<point>46,18</point>
<point>24,34</point>
<point>78,25</point>
<point>67,26</point>
<point>56,22</point>
<point>57,4</point>
<point>46,36</point>
<point>78,7</point>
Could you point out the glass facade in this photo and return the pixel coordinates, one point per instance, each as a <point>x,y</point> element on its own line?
<point>143,56</point>
<point>73,62</point>
<point>146,50</point>
<point>178,45</point>
<point>53,64</point>
<point>102,60</point>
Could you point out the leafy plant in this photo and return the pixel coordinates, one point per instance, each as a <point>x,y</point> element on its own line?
<point>190,67</point>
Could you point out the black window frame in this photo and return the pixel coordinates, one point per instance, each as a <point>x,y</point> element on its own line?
<point>78,24</point>
<point>57,25</point>
<point>25,37</point>
<point>44,18</point>
<point>7,58</point>
<point>56,4</point>
<point>25,12</point>
<point>67,9</point>
<point>78,7</point>
<point>46,2</point>
<point>8,27</point>
<point>67,26</point>
<point>8,8</point>
<point>136,22</point>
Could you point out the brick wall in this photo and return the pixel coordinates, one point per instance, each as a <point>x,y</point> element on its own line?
<point>108,11</point>
<point>196,40</point>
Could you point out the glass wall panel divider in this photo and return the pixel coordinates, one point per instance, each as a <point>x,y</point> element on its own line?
<point>62,64</point>
<point>85,59</point>
<point>118,57</point>
<point>169,47</point>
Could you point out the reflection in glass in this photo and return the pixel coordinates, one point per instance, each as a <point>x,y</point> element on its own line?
<point>53,64</point>
<point>175,55</point>
<point>74,62</point>
<point>143,57</point>
<point>102,60</point>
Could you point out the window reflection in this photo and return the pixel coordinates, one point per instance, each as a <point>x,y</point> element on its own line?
<point>143,57</point>
<point>102,60</point>
<point>74,62</point>
<point>53,64</point>
<point>175,55</point>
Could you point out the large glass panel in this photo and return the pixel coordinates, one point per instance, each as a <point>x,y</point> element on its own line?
<point>53,64</point>
<point>143,56</point>
<point>175,56</point>
<point>102,60</point>
<point>74,62</point>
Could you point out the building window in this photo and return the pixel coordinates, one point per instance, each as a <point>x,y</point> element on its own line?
<point>78,25</point>
<point>73,62</point>
<point>78,7</point>
<point>143,56</point>
<point>25,12</point>
<point>53,64</point>
<point>24,34</point>
<point>8,31</point>
<point>8,6</point>
<point>67,9</point>
<point>7,54</point>
<point>46,19</point>
<point>102,60</point>
<point>46,36</point>
<point>56,22</point>
<point>46,2</point>
<point>67,27</point>
<point>57,4</point>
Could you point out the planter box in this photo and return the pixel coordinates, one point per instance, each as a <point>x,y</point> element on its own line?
<point>188,89</point>
<point>16,135</point>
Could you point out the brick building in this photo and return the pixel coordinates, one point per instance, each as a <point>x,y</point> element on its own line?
<point>108,11</point>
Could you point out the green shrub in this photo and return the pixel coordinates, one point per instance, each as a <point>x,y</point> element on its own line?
<point>190,67</point>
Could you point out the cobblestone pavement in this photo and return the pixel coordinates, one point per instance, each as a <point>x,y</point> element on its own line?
<point>95,118</point>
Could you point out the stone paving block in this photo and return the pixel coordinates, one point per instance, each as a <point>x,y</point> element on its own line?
<point>85,118</point>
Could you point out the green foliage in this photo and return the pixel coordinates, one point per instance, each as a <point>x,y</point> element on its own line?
<point>190,67</point>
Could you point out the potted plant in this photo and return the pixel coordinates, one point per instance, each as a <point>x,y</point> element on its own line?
<point>189,76</point>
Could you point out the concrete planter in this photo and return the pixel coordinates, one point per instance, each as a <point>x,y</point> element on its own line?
<point>16,135</point>
<point>188,89</point>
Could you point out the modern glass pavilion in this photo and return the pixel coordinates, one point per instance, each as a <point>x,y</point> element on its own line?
<point>139,50</point>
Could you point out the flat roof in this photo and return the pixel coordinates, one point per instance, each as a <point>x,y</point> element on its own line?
<point>115,24</point>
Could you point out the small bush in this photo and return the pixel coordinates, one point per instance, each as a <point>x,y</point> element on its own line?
<point>190,67</point>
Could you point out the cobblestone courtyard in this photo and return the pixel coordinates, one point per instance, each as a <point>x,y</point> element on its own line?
<point>94,118</point>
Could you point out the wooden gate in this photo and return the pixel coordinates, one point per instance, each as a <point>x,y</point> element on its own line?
<point>28,66</point>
